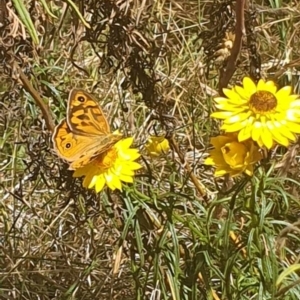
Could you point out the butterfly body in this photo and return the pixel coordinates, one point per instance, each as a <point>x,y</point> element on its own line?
<point>85,133</point>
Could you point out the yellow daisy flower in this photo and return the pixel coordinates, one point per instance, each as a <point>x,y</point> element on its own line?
<point>157,145</point>
<point>231,156</point>
<point>111,168</point>
<point>260,112</point>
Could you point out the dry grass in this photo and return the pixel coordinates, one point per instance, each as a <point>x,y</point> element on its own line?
<point>155,67</point>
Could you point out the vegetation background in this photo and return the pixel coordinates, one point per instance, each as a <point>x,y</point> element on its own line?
<point>155,66</point>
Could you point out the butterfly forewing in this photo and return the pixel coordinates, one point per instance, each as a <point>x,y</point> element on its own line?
<point>85,115</point>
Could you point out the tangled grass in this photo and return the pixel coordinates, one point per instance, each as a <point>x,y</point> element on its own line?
<point>176,233</point>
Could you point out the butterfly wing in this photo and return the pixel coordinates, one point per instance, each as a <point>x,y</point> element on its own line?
<point>85,133</point>
<point>84,115</point>
<point>79,150</point>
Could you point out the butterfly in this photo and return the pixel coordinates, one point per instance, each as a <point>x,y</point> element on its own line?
<point>85,133</point>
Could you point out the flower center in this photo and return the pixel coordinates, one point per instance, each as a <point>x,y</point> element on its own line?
<point>262,102</point>
<point>107,159</point>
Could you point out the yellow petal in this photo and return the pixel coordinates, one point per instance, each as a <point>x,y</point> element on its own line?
<point>296,102</point>
<point>277,135</point>
<point>244,94</point>
<point>232,96</point>
<point>267,86</point>
<point>283,93</point>
<point>233,127</point>
<point>293,127</point>
<point>209,161</point>
<point>256,131</point>
<point>266,138</point>
<point>89,180</point>
<point>221,172</point>
<point>221,114</point>
<point>293,115</point>
<point>128,179</point>
<point>249,86</point>
<point>100,183</point>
